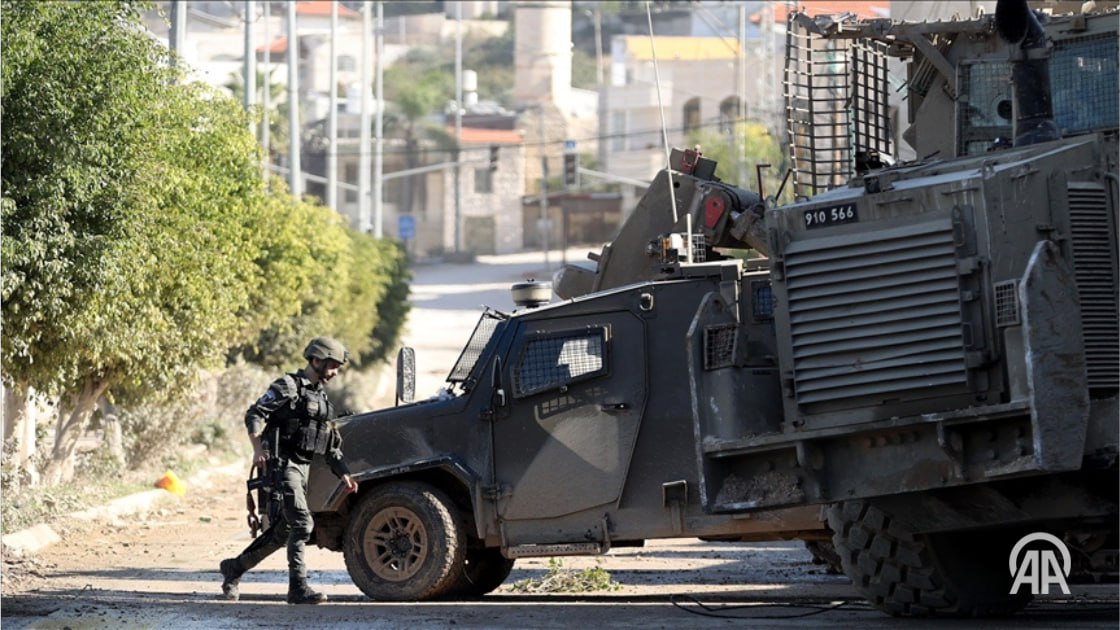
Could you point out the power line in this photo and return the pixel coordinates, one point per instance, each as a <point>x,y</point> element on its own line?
<point>714,124</point>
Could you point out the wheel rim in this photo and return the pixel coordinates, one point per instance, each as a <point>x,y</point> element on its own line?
<point>395,544</point>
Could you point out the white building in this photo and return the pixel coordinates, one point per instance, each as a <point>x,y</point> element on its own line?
<point>697,91</point>
<point>489,193</point>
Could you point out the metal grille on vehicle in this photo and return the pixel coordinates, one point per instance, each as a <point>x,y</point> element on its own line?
<point>763,301</point>
<point>1007,303</point>
<point>699,248</point>
<point>875,314</point>
<point>479,338</point>
<point>719,346</point>
<point>1094,245</point>
<point>555,360</point>
<point>837,112</point>
<point>1083,78</point>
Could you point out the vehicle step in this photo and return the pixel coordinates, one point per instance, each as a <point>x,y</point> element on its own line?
<point>555,549</point>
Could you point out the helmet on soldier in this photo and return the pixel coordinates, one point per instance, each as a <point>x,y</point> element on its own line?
<point>326,348</point>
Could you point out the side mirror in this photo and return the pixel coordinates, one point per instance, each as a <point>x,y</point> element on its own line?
<point>406,375</point>
<point>496,383</point>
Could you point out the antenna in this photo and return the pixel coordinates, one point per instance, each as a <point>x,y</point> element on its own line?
<point>661,111</point>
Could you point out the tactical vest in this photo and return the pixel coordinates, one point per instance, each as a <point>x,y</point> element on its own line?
<point>304,424</point>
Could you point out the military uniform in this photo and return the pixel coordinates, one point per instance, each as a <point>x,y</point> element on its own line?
<point>294,421</point>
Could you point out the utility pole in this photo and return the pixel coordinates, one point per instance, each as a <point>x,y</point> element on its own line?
<point>379,146</point>
<point>266,95</point>
<point>601,83</point>
<point>741,80</point>
<point>295,169</point>
<point>544,222</point>
<point>458,120</point>
<point>332,117</point>
<point>178,35</point>
<point>772,86</point>
<point>250,96</point>
<point>363,168</point>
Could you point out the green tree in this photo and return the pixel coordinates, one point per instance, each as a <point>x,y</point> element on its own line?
<point>416,95</point>
<point>492,59</point>
<point>748,145</point>
<point>278,117</point>
<point>392,309</point>
<point>128,252</point>
<point>140,244</point>
<point>321,277</point>
<point>303,265</point>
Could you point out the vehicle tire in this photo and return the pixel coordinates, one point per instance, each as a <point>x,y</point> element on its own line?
<point>484,570</point>
<point>825,553</point>
<point>404,543</point>
<point>919,575</point>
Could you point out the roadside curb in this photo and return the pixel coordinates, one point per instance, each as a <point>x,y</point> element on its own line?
<point>30,540</point>
<point>38,537</point>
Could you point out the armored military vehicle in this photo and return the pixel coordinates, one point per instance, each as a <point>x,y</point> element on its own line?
<point>927,353</point>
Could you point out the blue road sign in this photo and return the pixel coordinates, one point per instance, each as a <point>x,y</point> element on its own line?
<point>406,227</point>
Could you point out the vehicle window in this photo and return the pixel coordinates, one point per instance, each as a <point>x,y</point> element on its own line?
<point>553,360</point>
<point>1083,81</point>
<point>483,330</point>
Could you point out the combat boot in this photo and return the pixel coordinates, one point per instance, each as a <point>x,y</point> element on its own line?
<point>231,576</point>
<point>300,593</point>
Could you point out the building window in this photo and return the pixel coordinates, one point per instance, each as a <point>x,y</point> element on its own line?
<point>347,63</point>
<point>728,114</point>
<point>483,180</point>
<point>692,115</point>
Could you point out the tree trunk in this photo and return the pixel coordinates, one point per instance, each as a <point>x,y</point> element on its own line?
<point>407,186</point>
<point>72,421</point>
<point>111,422</point>
<point>20,420</point>
<point>15,404</point>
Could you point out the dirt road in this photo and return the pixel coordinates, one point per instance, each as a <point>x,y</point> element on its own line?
<point>160,570</point>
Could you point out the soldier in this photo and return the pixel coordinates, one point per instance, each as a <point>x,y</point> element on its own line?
<point>288,426</point>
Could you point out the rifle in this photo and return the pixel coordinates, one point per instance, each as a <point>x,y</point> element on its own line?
<point>257,481</point>
<point>264,482</point>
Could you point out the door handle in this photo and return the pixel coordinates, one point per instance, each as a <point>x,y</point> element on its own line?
<point>615,407</point>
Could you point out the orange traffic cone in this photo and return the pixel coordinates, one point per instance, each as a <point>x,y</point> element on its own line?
<point>171,483</point>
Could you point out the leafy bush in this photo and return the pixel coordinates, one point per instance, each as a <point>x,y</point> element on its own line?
<point>211,414</point>
<point>561,580</point>
<point>140,244</point>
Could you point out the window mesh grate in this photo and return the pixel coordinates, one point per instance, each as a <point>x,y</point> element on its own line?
<point>479,338</point>
<point>1007,303</point>
<point>557,360</point>
<point>719,346</point>
<point>763,302</point>
<point>1083,84</point>
<point>1083,79</point>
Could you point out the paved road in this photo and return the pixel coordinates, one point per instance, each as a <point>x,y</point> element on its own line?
<point>160,570</point>
<point>447,300</point>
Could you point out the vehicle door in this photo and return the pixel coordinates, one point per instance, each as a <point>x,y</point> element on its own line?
<point>577,390</point>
